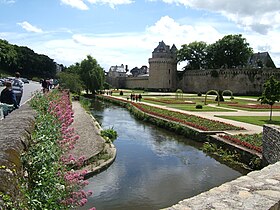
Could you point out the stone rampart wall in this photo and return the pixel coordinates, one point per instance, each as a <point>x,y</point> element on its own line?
<point>15,135</point>
<point>239,81</point>
<point>271,143</point>
<point>137,82</point>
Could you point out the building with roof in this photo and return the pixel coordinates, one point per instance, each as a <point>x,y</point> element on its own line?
<point>261,60</point>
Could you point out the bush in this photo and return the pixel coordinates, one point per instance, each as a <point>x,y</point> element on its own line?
<point>198,106</point>
<point>109,133</point>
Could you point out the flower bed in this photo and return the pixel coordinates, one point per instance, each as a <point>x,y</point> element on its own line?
<point>51,181</point>
<point>169,101</point>
<point>255,106</point>
<point>190,120</point>
<point>244,140</point>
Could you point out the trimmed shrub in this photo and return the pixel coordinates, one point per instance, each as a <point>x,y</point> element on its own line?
<point>198,106</point>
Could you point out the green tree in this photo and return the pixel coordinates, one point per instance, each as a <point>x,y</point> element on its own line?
<point>70,81</point>
<point>8,56</point>
<point>230,51</point>
<point>92,74</point>
<point>195,53</point>
<point>271,93</point>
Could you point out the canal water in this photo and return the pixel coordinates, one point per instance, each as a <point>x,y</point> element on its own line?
<point>154,168</point>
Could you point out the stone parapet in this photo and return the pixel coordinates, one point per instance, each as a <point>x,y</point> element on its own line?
<point>15,135</point>
<point>259,190</point>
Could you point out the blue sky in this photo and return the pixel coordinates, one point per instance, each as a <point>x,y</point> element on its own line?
<point>125,32</point>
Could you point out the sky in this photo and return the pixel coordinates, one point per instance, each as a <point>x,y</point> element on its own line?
<point>116,32</point>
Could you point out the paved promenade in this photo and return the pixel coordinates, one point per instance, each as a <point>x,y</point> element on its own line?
<point>90,142</point>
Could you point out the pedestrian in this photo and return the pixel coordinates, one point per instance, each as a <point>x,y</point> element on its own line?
<point>140,97</point>
<point>17,86</point>
<point>8,97</point>
<point>45,86</point>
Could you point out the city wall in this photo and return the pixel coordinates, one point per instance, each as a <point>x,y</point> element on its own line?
<point>239,81</point>
<point>137,82</point>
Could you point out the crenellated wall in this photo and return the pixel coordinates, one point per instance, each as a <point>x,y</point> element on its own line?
<point>15,135</point>
<point>239,81</point>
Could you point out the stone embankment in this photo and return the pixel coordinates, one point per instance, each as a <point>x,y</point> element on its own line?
<point>15,135</point>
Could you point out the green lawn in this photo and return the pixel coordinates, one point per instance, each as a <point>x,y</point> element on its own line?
<point>256,120</point>
<point>191,107</point>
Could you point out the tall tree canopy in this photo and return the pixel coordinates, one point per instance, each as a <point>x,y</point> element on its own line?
<point>228,52</point>
<point>92,74</point>
<point>195,53</point>
<point>26,61</point>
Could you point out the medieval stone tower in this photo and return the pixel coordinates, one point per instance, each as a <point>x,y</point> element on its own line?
<point>163,68</point>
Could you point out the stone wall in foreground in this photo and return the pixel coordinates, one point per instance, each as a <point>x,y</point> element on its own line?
<point>15,135</point>
<point>271,143</point>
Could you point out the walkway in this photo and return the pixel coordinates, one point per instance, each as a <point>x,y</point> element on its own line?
<point>90,142</point>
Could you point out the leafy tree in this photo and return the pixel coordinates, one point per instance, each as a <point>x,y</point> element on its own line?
<point>74,68</point>
<point>195,53</point>
<point>26,61</point>
<point>70,81</point>
<point>8,55</point>
<point>230,51</point>
<point>271,93</point>
<point>92,74</point>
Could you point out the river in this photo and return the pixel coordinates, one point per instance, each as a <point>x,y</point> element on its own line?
<point>153,169</point>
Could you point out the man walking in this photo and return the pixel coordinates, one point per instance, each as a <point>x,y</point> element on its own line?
<point>18,87</point>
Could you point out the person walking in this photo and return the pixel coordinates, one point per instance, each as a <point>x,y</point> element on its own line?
<point>17,86</point>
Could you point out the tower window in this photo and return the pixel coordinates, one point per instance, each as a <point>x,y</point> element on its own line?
<point>169,71</point>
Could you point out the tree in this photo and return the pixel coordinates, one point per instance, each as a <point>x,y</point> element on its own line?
<point>229,52</point>
<point>70,81</point>
<point>92,74</point>
<point>8,55</point>
<point>194,53</point>
<point>271,93</point>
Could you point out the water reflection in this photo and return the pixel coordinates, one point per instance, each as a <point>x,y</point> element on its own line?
<point>153,169</point>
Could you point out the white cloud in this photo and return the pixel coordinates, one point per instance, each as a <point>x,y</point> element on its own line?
<point>257,15</point>
<point>30,28</point>
<point>79,4</point>
<point>134,49</point>
<point>111,3</point>
<point>7,1</point>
